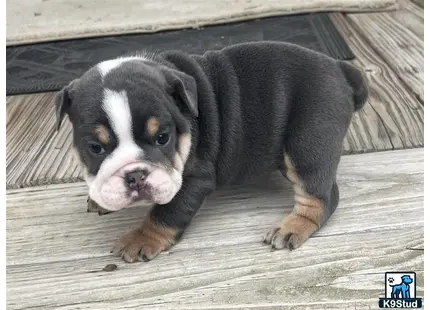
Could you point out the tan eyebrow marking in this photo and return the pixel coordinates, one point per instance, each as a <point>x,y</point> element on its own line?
<point>152,125</point>
<point>102,134</point>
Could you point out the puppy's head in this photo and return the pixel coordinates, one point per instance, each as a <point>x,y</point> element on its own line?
<point>131,129</point>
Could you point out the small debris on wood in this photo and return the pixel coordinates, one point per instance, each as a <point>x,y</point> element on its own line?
<point>110,267</point>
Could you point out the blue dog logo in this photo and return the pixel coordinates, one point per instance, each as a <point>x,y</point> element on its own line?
<point>401,290</point>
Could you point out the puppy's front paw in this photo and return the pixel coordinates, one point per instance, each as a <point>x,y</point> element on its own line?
<point>145,243</point>
<point>291,233</point>
<point>92,206</point>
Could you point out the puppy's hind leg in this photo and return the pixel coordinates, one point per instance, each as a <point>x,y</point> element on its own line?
<point>312,171</point>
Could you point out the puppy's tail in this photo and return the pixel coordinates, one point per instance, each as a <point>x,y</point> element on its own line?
<point>358,83</point>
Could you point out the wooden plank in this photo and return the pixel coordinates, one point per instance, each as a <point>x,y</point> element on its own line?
<point>28,127</point>
<point>410,16</point>
<point>55,249</point>
<point>393,114</point>
<point>398,46</point>
<point>420,3</point>
<point>35,153</point>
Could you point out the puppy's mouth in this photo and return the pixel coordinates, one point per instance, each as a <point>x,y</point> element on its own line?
<point>142,192</point>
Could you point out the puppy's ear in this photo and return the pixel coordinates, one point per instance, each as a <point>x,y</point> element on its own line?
<point>184,87</point>
<point>62,103</point>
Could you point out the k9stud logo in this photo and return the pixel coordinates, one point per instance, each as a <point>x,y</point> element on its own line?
<point>400,291</point>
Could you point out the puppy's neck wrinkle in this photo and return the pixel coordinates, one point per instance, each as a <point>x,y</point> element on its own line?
<point>223,76</point>
<point>206,132</point>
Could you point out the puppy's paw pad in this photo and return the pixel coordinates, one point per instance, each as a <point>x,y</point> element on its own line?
<point>144,244</point>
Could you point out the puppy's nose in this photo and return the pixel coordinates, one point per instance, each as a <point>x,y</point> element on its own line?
<point>134,178</point>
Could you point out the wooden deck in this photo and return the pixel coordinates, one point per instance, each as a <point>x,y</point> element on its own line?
<point>56,250</point>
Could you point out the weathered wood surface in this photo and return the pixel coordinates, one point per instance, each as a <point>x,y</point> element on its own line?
<point>393,118</point>
<point>401,48</point>
<point>410,16</point>
<point>35,152</point>
<point>55,250</point>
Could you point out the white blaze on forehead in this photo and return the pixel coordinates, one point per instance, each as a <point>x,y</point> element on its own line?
<point>108,65</point>
<point>117,109</point>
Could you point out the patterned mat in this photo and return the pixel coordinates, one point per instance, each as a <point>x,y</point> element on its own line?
<point>49,66</point>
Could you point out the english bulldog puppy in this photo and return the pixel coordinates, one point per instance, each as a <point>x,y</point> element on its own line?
<point>170,128</point>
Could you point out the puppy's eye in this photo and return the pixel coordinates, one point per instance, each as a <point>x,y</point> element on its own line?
<point>162,139</point>
<point>96,148</point>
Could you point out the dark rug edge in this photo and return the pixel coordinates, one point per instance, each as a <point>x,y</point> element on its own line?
<point>329,37</point>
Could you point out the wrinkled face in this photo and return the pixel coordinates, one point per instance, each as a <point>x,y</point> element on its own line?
<point>131,130</point>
